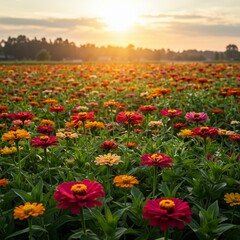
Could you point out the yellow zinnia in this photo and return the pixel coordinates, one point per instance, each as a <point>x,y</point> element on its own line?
<point>13,136</point>
<point>125,181</point>
<point>232,198</point>
<point>27,210</point>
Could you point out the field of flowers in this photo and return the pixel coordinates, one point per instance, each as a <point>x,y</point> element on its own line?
<point>120,151</point>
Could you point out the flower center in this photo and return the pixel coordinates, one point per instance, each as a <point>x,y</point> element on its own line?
<point>196,115</point>
<point>203,128</point>
<point>129,114</point>
<point>167,204</point>
<point>156,158</point>
<point>28,209</point>
<point>172,111</point>
<point>125,180</point>
<point>79,189</point>
<point>44,138</point>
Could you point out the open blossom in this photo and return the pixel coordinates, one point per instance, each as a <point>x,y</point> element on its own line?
<point>66,134</point>
<point>46,122</point>
<point>94,125</point>
<point>232,198</point>
<point>185,133</point>
<point>204,132</point>
<point>156,159</point>
<point>125,181</point>
<point>23,116</point>
<point>3,182</point>
<point>16,135</point>
<point>167,212</point>
<point>109,145</point>
<point>235,137</point>
<point>196,117</point>
<point>28,210</point>
<point>223,132</point>
<point>147,108</point>
<point>19,122</point>
<point>129,118</point>
<point>9,150</point>
<point>171,113</point>
<point>75,195</point>
<point>108,159</point>
<point>83,116</point>
<point>155,123</point>
<point>44,141</point>
<point>45,129</point>
<point>57,109</point>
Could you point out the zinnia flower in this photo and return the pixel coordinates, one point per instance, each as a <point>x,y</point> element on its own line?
<point>185,133</point>
<point>155,123</point>
<point>125,181</point>
<point>66,134</point>
<point>83,116</point>
<point>45,129</point>
<point>57,109</point>
<point>109,145</point>
<point>23,116</point>
<point>196,117</point>
<point>108,159</point>
<point>75,195</point>
<point>129,118</point>
<point>27,210</point>
<point>16,135</point>
<point>44,141</point>
<point>235,137</point>
<point>167,212</point>
<point>156,159</point>
<point>3,182</point>
<point>171,113</point>
<point>232,198</point>
<point>204,132</point>
<point>147,108</point>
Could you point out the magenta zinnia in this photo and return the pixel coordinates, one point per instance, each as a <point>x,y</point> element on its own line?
<point>44,141</point>
<point>196,117</point>
<point>156,159</point>
<point>167,212</point>
<point>171,113</point>
<point>75,195</point>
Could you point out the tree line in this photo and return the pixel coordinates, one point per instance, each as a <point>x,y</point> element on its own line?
<point>23,48</point>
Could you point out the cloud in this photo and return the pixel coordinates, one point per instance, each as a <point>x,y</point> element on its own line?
<point>53,22</point>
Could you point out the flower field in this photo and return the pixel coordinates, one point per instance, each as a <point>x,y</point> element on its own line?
<point>120,151</point>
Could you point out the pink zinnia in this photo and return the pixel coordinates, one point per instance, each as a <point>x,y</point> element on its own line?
<point>171,113</point>
<point>167,212</point>
<point>156,159</point>
<point>204,132</point>
<point>44,141</point>
<point>196,117</point>
<point>75,195</point>
<point>129,118</point>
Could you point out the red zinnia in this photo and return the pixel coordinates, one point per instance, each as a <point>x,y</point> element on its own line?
<point>23,116</point>
<point>44,141</point>
<point>156,159</point>
<point>75,195</point>
<point>204,132</point>
<point>109,145</point>
<point>57,109</point>
<point>167,212</point>
<point>3,182</point>
<point>179,125</point>
<point>147,108</point>
<point>171,113</point>
<point>129,118</point>
<point>235,137</point>
<point>45,129</point>
<point>83,116</point>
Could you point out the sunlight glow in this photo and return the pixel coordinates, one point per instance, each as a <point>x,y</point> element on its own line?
<point>119,17</point>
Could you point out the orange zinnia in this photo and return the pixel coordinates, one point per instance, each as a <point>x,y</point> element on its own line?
<point>125,181</point>
<point>13,136</point>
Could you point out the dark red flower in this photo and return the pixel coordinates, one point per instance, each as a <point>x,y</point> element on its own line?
<point>147,108</point>
<point>75,195</point>
<point>44,141</point>
<point>45,129</point>
<point>179,125</point>
<point>129,118</point>
<point>109,145</point>
<point>156,159</point>
<point>171,113</point>
<point>23,116</point>
<point>204,132</point>
<point>167,212</point>
<point>235,137</point>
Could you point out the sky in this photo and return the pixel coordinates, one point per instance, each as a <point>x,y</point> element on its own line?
<point>170,24</point>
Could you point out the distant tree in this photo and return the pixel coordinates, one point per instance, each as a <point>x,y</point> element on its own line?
<point>232,52</point>
<point>43,55</point>
<point>216,57</point>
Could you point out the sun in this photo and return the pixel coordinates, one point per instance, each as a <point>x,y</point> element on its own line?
<point>119,17</point>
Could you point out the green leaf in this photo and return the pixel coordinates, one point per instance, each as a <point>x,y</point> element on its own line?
<point>26,197</point>
<point>224,227</point>
<point>213,209</point>
<point>137,194</point>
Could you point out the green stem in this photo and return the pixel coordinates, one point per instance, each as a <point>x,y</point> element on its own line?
<point>125,197</point>
<point>48,167</point>
<point>108,181</point>
<point>30,228</point>
<point>154,180</point>
<point>19,161</point>
<point>82,221</point>
<point>166,233</point>
<point>233,215</point>
<point>128,132</point>
<point>205,147</point>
